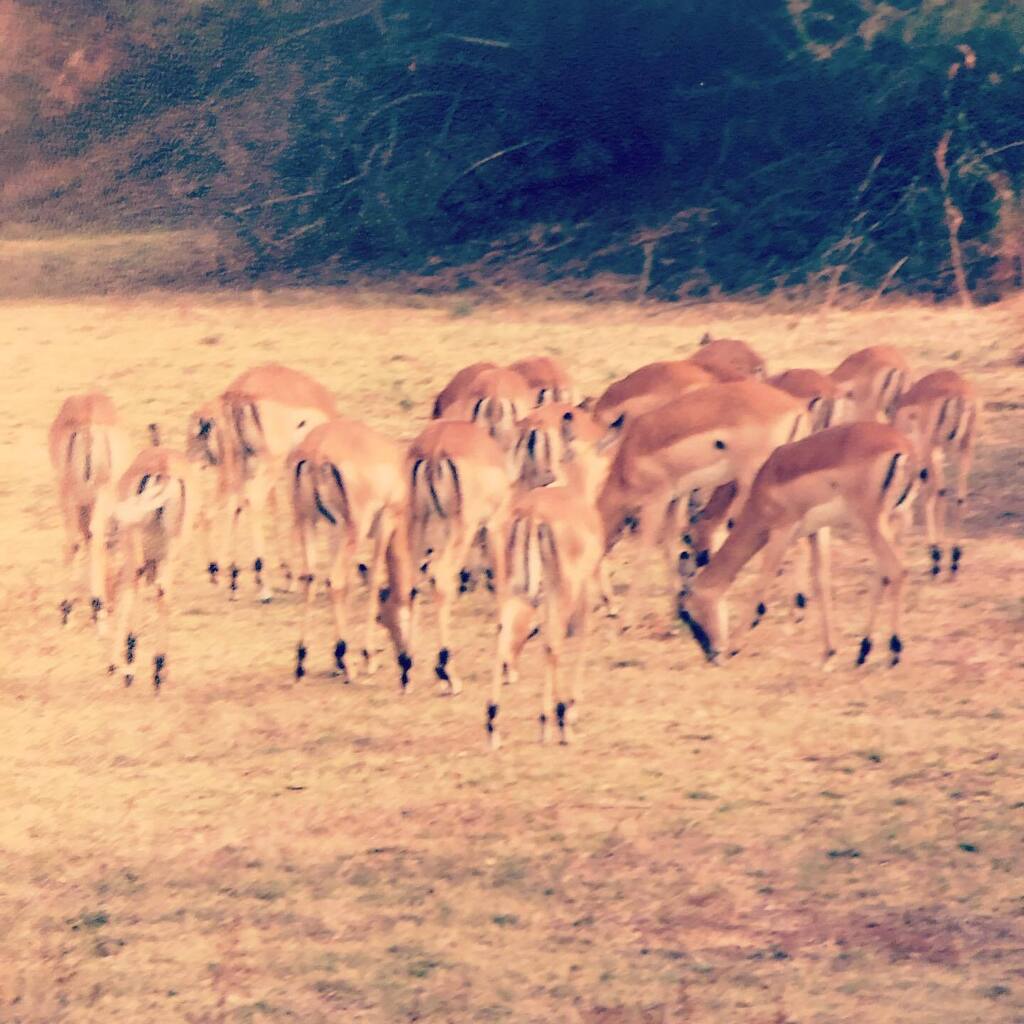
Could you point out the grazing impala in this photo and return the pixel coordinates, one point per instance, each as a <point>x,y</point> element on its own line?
<point>553,548</point>
<point>817,389</point>
<point>861,472</point>
<point>870,381</point>
<point>548,377</point>
<point>457,388</point>
<point>247,434</point>
<point>352,479</point>
<point>496,399</point>
<point>88,452</point>
<point>940,416</point>
<point>460,493</point>
<point>718,434</point>
<point>648,388</point>
<point>728,359</point>
<point>150,520</point>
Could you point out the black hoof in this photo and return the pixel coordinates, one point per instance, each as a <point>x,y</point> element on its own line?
<point>865,650</point>
<point>300,657</point>
<point>65,612</point>
<point>896,647</point>
<point>405,664</point>
<point>441,668</point>
<point>339,658</point>
<point>128,680</point>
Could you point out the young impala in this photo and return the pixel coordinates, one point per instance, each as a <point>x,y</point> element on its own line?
<point>351,479</point>
<point>247,435</point>
<point>940,416</point>
<point>88,452</point>
<point>860,472</point>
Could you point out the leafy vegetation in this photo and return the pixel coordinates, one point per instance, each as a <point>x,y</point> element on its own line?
<point>697,146</point>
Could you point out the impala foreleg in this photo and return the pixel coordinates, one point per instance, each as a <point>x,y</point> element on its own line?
<point>821,575</point>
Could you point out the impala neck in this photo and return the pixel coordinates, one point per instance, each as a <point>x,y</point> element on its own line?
<point>746,539</point>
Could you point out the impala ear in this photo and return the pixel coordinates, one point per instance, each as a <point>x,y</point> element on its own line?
<point>706,338</point>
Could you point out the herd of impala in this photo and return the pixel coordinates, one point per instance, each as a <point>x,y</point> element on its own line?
<point>517,484</point>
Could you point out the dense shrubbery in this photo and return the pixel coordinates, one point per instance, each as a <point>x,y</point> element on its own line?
<point>747,143</point>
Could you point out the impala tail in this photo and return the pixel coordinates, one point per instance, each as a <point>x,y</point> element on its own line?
<point>436,488</point>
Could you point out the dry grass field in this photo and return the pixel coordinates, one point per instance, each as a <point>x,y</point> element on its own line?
<point>753,844</point>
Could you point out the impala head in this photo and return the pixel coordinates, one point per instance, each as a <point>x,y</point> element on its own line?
<point>706,618</point>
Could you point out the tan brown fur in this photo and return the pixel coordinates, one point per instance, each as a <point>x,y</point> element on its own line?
<point>729,359</point>
<point>150,521</point>
<point>548,376</point>
<point>648,388</point>
<point>861,472</point>
<point>940,414</point>
<point>460,492</point>
<point>88,452</point>
<point>553,548</point>
<point>870,382</point>
<point>350,479</point>
<point>687,449</point>
<point>249,431</point>
<point>456,388</point>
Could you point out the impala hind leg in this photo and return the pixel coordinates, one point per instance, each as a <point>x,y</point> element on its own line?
<point>958,503</point>
<point>888,583</point>
<point>260,489</point>
<point>382,538</point>
<point>515,619</point>
<point>933,495</point>
<point>125,638</point>
<point>307,549</point>
<point>339,580</point>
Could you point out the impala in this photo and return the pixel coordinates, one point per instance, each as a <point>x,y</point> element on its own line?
<point>649,388</point>
<point>861,472</point>
<point>455,390</point>
<point>247,434</point>
<point>686,449</point>
<point>563,445</point>
<point>728,359</point>
<point>351,479</point>
<point>460,493</point>
<point>150,521</point>
<point>553,547</point>
<point>548,377</point>
<point>88,452</point>
<point>940,416</point>
<point>817,389</point>
<point>870,381</point>
<point>496,399</point>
